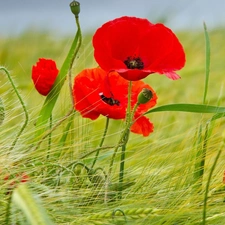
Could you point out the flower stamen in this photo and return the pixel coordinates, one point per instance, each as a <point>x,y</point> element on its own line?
<point>110,101</point>
<point>134,63</point>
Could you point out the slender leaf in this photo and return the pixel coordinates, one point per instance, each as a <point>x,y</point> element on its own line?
<point>194,108</point>
<point>217,116</point>
<point>52,97</point>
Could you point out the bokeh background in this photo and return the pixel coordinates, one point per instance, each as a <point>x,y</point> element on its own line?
<point>17,16</point>
<point>163,164</point>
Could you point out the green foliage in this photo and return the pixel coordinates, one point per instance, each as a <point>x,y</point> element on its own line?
<point>159,184</point>
<point>33,211</point>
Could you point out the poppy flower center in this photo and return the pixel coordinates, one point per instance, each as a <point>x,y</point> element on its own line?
<point>109,101</point>
<point>134,63</point>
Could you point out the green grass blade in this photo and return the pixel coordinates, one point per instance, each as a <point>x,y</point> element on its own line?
<point>217,116</point>
<point>207,65</point>
<point>34,212</point>
<point>198,158</point>
<point>194,108</point>
<point>22,104</point>
<point>208,183</point>
<point>51,99</point>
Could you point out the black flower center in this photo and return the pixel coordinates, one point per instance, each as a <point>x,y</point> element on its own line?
<point>134,63</point>
<point>110,101</point>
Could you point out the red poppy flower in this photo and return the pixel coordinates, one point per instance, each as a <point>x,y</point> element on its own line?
<point>44,74</point>
<point>97,92</point>
<point>135,48</point>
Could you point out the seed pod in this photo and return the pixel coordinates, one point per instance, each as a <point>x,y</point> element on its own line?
<point>75,8</point>
<point>144,96</point>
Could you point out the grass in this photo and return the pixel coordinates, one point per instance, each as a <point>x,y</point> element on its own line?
<point>159,185</point>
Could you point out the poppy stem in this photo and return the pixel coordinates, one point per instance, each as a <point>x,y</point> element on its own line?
<point>73,58</point>
<point>101,143</point>
<point>49,137</point>
<point>121,174</point>
<point>22,104</point>
<point>122,141</point>
<point>128,114</point>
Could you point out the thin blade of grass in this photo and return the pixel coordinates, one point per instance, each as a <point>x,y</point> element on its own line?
<point>207,63</point>
<point>52,97</point>
<point>194,108</point>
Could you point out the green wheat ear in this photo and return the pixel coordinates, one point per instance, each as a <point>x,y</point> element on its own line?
<point>2,112</point>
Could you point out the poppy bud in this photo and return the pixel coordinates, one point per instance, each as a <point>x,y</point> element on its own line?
<point>75,8</point>
<point>144,96</point>
<point>2,112</point>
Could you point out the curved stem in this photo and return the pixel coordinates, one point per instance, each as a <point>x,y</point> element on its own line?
<point>53,128</point>
<point>22,104</point>
<point>101,143</point>
<point>49,137</point>
<point>95,150</point>
<point>73,58</point>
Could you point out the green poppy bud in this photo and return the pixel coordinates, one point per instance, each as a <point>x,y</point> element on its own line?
<point>144,96</point>
<point>75,8</point>
<point>2,112</point>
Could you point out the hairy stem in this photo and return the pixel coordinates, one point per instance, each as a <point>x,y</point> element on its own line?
<point>122,141</point>
<point>101,143</point>
<point>22,104</point>
<point>72,60</point>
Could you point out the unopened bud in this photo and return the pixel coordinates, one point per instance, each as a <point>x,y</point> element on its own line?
<point>144,96</point>
<point>75,8</point>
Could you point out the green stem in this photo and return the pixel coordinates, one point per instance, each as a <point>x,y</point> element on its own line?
<point>53,128</point>
<point>207,185</point>
<point>7,218</point>
<point>200,157</point>
<point>123,139</point>
<point>122,165</point>
<point>95,150</point>
<point>49,137</point>
<point>204,150</point>
<point>22,104</point>
<point>101,143</point>
<point>72,60</point>
<point>128,114</point>
<point>66,131</point>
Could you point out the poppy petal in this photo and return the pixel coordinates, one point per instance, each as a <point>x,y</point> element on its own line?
<point>97,92</point>
<point>142,126</point>
<point>136,48</point>
<point>44,74</point>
